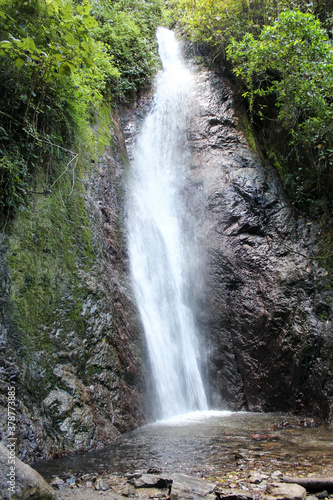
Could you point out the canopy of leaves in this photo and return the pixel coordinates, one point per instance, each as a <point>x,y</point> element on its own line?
<point>59,59</point>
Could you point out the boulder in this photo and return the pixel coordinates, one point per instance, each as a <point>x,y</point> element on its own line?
<point>280,491</point>
<point>151,481</point>
<point>19,480</point>
<point>190,488</point>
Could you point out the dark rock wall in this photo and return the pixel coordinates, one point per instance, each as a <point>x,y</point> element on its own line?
<point>267,319</point>
<point>70,337</point>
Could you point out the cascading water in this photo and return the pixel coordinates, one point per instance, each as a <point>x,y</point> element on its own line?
<point>159,245</point>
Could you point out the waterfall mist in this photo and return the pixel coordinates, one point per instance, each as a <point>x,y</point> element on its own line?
<point>160,245</point>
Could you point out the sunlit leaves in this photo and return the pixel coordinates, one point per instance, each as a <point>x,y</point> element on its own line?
<point>56,70</point>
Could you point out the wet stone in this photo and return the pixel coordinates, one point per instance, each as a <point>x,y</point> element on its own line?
<point>151,481</point>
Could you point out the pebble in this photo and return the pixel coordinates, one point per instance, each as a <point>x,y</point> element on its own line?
<point>101,484</point>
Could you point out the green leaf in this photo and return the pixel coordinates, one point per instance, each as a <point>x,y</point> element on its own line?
<point>5,44</point>
<point>90,22</point>
<point>83,9</point>
<point>19,63</point>
<point>66,69</point>
<point>28,44</point>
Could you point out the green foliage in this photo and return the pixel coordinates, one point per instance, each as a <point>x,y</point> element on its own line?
<point>281,52</point>
<point>13,182</point>
<point>292,63</point>
<point>127,28</point>
<point>208,21</point>
<point>216,22</point>
<point>50,64</point>
<point>58,63</point>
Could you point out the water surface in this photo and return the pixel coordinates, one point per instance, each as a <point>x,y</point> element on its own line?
<point>210,444</point>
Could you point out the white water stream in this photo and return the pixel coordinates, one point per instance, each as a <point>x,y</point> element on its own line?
<point>159,244</point>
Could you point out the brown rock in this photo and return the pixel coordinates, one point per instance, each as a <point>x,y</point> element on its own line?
<point>278,491</point>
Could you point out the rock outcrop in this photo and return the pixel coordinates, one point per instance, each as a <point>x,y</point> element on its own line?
<point>267,317</point>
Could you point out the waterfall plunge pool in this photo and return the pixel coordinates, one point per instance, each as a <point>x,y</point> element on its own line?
<point>209,444</point>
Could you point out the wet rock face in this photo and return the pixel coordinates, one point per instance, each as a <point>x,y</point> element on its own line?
<point>268,343</point>
<point>81,386</point>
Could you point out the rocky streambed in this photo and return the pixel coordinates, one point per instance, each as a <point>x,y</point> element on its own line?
<point>216,456</point>
<point>153,484</point>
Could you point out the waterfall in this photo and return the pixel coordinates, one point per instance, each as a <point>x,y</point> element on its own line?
<point>159,242</point>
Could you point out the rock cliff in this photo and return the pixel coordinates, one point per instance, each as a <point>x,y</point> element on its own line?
<point>70,341</point>
<point>267,316</point>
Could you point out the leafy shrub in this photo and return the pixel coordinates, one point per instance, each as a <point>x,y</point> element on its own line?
<point>127,28</point>
<point>56,69</point>
<point>292,62</point>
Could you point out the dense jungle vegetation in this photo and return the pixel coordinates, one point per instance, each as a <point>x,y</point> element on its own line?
<point>59,61</point>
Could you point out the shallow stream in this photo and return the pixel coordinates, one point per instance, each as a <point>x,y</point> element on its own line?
<point>210,444</point>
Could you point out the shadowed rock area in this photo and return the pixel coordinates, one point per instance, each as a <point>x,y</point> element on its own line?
<point>267,316</point>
